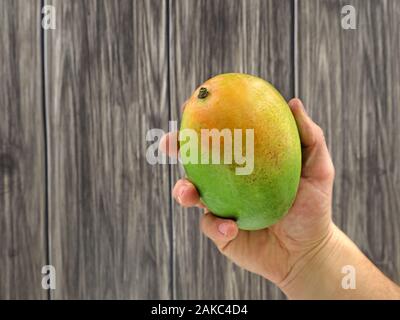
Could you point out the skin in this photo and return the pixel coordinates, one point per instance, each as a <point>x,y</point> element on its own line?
<point>304,253</point>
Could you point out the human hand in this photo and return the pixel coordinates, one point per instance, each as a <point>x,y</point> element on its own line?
<point>278,251</point>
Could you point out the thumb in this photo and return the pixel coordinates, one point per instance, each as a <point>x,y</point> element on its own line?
<point>317,162</point>
<point>220,231</point>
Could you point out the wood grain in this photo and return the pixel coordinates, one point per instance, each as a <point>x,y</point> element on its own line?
<point>22,153</point>
<point>109,208</point>
<point>113,70</point>
<point>207,38</point>
<point>350,83</point>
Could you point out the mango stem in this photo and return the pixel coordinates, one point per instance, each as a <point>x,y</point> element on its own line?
<point>202,93</point>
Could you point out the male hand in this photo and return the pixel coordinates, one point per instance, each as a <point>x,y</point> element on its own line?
<point>275,251</point>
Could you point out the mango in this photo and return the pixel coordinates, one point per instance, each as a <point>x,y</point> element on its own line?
<point>241,104</point>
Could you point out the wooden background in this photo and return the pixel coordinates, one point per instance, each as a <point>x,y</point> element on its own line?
<point>76,190</point>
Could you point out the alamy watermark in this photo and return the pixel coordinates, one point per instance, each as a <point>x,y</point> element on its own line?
<point>206,146</point>
<point>49,277</point>
<point>349,280</point>
<point>349,17</point>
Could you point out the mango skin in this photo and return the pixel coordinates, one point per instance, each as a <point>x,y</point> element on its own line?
<point>235,101</point>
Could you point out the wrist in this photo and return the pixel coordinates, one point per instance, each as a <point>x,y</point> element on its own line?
<point>307,278</point>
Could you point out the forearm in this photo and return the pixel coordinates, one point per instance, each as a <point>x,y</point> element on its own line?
<point>319,274</point>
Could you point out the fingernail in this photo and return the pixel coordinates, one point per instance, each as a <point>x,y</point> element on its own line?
<point>223,228</point>
<point>180,195</point>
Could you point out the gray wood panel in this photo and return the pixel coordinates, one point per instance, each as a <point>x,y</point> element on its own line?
<point>209,37</point>
<point>350,83</point>
<point>109,209</point>
<point>113,70</point>
<point>22,153</point>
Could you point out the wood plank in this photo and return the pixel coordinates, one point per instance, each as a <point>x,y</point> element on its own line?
<point>22,152</point>
<point>350,83</point>
<point>209,37</point>
<point>106,86</point>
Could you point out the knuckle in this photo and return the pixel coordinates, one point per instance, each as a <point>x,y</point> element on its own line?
<point>222,248</point>
<point>331,171</point>
<point>204,223</point>
<point>320,133</point>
